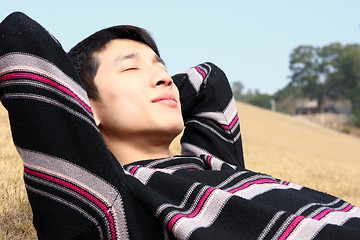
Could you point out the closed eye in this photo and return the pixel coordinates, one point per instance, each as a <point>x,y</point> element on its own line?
<point>129,69</point>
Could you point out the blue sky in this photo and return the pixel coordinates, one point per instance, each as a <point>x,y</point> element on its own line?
<point>250,40</point>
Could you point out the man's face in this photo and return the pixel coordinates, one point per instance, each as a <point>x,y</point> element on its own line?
<point>137,95</point>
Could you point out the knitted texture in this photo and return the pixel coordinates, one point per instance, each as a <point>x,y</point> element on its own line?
<point>78,190</point>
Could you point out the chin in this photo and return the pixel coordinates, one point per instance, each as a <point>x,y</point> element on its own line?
<point>168,124</point>
<point>173,122</point>
<point>173,130</point>
<point>176,128</point>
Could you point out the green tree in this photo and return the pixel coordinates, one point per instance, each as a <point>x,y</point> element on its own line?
<point>286,98</point>
<point>345,79</point>
<point>261,100</point>
<point>331,71</point>
<point>237,88</point>
<point>330,59</point>
<point>307,74</point>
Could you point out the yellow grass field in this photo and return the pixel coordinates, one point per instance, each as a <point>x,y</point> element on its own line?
<point>15,212</point>
<point>283,146</point>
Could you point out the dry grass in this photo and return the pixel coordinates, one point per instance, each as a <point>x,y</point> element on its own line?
<point>285,147</point>
<point>302,152</point>
<point>15,211</point>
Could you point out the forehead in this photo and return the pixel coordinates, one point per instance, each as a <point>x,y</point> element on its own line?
<point>118,48</point>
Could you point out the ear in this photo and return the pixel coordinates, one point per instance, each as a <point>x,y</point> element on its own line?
<point>97,121</point>
<point>94,111</point>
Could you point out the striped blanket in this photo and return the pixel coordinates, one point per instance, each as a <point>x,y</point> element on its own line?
<point>78,189</point>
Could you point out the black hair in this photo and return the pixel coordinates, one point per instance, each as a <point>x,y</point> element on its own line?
<point>86,64</point>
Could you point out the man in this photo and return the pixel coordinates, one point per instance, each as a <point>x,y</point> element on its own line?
<point>126,81</point>
<point>134,90</point>
<point>78,188</point>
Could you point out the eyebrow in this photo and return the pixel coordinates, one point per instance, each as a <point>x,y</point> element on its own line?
<point>127,56</point>
<point>136,55</point>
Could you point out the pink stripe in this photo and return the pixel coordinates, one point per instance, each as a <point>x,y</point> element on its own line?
<point>285,183</point>
<point>327,211</point>
<point>208,161</point>
<point>194,213</point>
<point>348,208</point>
<point>80,191</point>
<point>231,124</point>
<point>291,227</point>
<point>260,181</point>
<point>47,81</point>
<point>201,72</point>
<point>133,170</point>
<point>323,214</point>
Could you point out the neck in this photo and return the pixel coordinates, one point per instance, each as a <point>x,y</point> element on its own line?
<point>132,150</point>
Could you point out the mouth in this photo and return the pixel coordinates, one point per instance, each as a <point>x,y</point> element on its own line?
<point>166,99</point>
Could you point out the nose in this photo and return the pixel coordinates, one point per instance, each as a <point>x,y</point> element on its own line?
<point>162,78</point>
<point>167,82</point>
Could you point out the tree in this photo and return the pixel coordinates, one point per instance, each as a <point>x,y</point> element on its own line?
<point>261,100</point>
<point>237,88</point>
<point>330,59</point>
<point>305,64</point>
<point>286,98</point>
<point>331,71</point>
<point>345,79</point>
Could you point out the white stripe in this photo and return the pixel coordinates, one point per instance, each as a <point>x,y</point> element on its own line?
<point>144,174</point>
<point>339,218</point>
<point>32,63</point>
<point>306,229</point>
<point>52,102</point>
<point>182,204</point>
<point>190,149</point>
<point>184,227</point>
<point>48,88</point>
<point>66,203</point>
<point>230,140</point>
<point>304,208</point>
<point>81,177</point>
<point>194,203</point>
<point>159,161</point>
<point>216,164</point>
<point>258,189</point>
<point>185,166</point>
<point>246,180</point>
<point>67,191</point>
<point>270,225</point>
<point>325,207</point>
<point>283,227</point>
<point>231,178</point>
<point>195,78</point>
<point>231,110</point>
<point>225,117</point>
<point>294,186</point>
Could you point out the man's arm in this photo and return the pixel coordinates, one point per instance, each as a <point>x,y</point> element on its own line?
<point>210,114</point>
<point>71,178</point>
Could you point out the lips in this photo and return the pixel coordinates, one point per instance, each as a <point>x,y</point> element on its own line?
<point>167,99</point>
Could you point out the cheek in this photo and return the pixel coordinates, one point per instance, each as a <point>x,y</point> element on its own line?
<point>127,102</point>
<point>122,92</point>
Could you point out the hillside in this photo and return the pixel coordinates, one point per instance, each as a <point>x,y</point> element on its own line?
<point>300,151</point>
<point>283,146</point>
